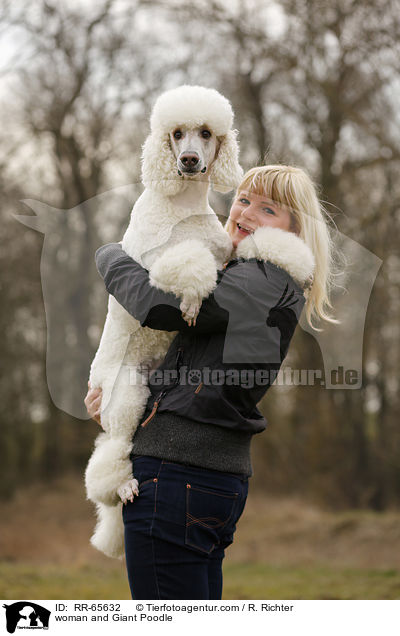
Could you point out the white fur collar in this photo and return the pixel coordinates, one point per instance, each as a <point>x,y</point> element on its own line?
<point>285,249</point>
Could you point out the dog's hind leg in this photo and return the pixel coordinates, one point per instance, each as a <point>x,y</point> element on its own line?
<point>109,466</point>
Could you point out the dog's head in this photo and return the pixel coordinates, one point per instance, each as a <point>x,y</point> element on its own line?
<point>194,149</point>
<point>191,134</point>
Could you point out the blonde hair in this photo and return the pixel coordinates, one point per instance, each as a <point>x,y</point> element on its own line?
<point>293,187</point>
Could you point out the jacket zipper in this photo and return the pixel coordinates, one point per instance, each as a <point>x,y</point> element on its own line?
<point>159,397</point>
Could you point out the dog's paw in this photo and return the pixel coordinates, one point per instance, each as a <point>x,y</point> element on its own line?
<point>190,311</point>
<point>128,490</point>
<point>186,269</point>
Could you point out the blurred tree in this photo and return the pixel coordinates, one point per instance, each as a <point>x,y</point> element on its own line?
<point>312,83</point>
<point>80,102</point>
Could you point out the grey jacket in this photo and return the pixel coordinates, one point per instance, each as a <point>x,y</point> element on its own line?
<point>219,370</point>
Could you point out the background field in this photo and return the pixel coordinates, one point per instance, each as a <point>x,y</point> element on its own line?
<point>284,549</point>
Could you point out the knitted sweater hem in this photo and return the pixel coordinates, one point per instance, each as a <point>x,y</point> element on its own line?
<point>186,441</point>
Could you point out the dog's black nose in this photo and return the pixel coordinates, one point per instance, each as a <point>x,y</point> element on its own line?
<point>189,159</point>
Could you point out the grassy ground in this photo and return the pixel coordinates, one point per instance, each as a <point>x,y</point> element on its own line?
<point>262,581</point>
<point>241,581</point>
<point>283,549</point>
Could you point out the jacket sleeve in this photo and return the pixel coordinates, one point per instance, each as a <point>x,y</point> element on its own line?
<point>129,283</point>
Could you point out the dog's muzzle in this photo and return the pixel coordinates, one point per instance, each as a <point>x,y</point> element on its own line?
<point>189,163</point>
<point>193,172</point>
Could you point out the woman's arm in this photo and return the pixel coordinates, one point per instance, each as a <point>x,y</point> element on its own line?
<point>129,283</point>
<point>254,303</point>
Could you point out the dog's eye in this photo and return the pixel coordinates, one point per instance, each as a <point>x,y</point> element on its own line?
<point>205,134</point>
<point>177,134</point>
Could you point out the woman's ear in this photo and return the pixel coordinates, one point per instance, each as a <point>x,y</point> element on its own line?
<point>294,224</point>
<point>226,173</point>
<point>159,169</point>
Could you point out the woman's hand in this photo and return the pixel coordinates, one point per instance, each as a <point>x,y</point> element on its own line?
<point>93,403</point>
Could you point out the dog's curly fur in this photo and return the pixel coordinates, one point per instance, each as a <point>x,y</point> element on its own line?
<point>162,237</point>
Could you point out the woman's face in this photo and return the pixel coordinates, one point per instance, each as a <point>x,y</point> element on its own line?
<point>250,211</point>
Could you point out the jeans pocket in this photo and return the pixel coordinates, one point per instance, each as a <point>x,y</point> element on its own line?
<point>145,469</point>
<point>208,511</point>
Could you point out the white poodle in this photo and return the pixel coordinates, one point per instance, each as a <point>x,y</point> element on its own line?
<point>174,233</point>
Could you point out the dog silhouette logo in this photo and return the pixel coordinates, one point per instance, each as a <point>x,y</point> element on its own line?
<point>26,615</point>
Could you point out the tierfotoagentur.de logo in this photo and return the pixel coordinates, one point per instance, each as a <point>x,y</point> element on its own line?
<point>26,615</point>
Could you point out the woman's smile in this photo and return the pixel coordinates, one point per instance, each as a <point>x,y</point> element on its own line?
<point>244,229</point>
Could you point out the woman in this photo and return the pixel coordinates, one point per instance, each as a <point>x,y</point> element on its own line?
<point>191,455</point>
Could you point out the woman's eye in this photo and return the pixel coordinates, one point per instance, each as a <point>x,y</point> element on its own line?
<point>243,200</point>
<point>269,210</point>
<point>177,134</point>
<point>205,134</point>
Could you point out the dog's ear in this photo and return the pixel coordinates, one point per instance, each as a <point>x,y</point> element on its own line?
<point>225,173</point>
<point>159,170</point>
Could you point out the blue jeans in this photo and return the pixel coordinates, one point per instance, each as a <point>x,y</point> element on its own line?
<point>177,529</point>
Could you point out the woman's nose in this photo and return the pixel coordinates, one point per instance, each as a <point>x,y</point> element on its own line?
<point>249,212</point>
